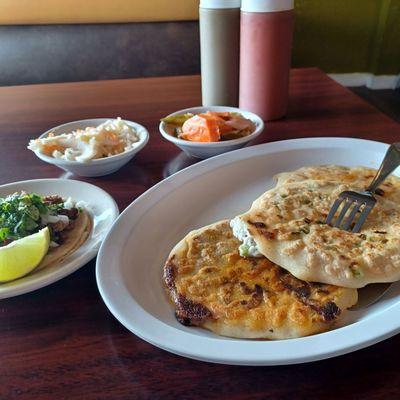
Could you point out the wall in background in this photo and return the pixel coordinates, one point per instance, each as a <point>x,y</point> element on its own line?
<point>348,35</point>
<point>335,35</point>
<point>17,12</point>
<point>338,36</point>
<point>387,46</point>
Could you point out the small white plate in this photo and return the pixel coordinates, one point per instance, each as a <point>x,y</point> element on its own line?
<point>103,210</point>
<point>131,259</point>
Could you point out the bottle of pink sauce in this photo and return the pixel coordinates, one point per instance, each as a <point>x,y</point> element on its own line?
<point>266,31</point>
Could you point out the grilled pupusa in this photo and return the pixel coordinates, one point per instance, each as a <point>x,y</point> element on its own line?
<point>357,177</point>
<point>212,286</point>
<point>286,225</point>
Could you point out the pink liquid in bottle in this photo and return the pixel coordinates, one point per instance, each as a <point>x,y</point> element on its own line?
<point>265,51</point>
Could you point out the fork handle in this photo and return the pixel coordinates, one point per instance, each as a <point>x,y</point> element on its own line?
<point>389,164</point>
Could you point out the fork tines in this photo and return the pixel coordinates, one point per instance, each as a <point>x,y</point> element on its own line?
<point>355,208</point>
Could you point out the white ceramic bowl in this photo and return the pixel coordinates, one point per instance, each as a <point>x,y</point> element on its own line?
<point>99,167</point>
<point>206,150</point>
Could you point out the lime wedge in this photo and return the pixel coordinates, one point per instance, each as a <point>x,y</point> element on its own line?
<point>24,255</point>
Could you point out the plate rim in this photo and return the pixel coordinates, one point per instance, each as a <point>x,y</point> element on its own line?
<point>364,337</point>
<point>69,268</point>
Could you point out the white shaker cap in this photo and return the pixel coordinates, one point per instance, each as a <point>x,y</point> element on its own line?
<point>220,3</point>
<point>267,5</point>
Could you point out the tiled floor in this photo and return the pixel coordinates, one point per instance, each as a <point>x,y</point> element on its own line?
<point>388,101</point>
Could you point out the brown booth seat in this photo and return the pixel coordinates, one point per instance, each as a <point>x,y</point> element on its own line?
<point>62,53</point>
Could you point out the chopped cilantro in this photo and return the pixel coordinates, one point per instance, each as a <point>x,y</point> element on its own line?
<point>244,250</point>
<point>355,271</point>
<point>20,215</point>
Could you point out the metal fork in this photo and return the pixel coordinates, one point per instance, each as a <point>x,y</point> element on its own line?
<point>362,203</point>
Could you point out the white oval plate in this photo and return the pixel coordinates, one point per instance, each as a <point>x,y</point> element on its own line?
<point>130,261</point>
<point>103,210</point>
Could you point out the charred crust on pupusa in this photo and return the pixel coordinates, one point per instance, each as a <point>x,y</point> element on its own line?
<point>258,225</point>
<point>169,274</point>
<point>190,313</point>
<point>329,311</point>
<point>187,312</point>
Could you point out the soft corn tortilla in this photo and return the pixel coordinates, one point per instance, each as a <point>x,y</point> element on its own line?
<point>213,287</point>
<point>74,239</point>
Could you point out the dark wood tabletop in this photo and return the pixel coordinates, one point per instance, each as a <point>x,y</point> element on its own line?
<point>61,342</point>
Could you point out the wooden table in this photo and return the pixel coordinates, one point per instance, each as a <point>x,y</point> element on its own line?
<point>62,342</point>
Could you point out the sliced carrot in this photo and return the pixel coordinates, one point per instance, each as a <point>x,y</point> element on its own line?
<point>223,115</point>
<point>207,127</point>
<point>201,128</point>
<point>221,118</point>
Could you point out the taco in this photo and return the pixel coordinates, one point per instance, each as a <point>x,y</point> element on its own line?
<point>23,214</point>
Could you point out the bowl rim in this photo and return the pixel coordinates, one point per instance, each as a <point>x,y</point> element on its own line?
<point>181,142</point>
<point>58,161</point>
